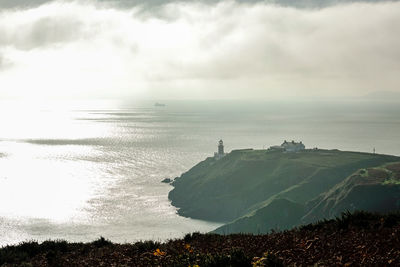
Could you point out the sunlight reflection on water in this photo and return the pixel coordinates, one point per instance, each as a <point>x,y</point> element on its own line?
<point>80,174</point>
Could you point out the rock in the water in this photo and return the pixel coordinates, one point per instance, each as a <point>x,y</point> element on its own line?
<point>167,181</point>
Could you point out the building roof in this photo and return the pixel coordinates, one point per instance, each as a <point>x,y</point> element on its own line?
<point>293,143</point>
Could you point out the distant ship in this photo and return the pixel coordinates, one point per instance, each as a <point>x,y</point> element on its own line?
<point>159,105</point>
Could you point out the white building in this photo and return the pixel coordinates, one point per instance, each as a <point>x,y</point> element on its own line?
<point>289,146</point>
<point>293,146</point>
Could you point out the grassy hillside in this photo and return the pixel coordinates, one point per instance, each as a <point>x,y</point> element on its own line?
<point>371,189</point>
<point>246,181</point>
<point>375,189</point>
<point>280,214</point>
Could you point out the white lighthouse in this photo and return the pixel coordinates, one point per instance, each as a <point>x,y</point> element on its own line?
<point>220,154</point>
<point>221,147</point>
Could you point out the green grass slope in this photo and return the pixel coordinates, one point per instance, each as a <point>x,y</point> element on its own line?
<point>371,189</point>
<point>280,214</point>
<point>248,180</point>
<point>375,189</point>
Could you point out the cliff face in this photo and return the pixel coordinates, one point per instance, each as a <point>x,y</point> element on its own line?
<point>262,190</point>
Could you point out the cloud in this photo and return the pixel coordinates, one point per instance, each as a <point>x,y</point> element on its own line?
<point>41,31</point>
<point>4,62</point>
<point>7,4</point>
<point>200,50</point>
<point>1,61</point>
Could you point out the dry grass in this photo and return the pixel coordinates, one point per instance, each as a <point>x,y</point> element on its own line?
<point>360,239</point>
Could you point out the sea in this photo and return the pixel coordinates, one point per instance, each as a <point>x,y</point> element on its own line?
<point>80,171</point>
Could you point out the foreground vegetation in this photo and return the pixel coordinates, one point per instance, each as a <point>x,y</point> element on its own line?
<point>358,239</point>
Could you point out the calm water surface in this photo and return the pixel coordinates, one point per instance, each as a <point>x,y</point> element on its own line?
<point>83,173</point>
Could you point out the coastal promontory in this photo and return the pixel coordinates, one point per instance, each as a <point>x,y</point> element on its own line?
<point>256,191</point>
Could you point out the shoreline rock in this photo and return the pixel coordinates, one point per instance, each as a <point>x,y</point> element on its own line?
<point>167,181</point>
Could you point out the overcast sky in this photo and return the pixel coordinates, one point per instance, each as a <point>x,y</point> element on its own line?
<point>198,50</point>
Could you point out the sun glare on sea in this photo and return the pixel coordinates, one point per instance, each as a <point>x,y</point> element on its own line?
<point>44,174</point>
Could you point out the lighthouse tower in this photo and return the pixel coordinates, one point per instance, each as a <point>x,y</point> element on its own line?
<point>221,147</point>
<point>220,154</point>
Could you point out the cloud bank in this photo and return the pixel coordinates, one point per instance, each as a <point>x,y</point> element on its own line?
<point>7,4</point>
<point>199,50</point>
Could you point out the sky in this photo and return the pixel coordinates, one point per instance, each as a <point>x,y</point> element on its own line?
<point>198,49</point>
